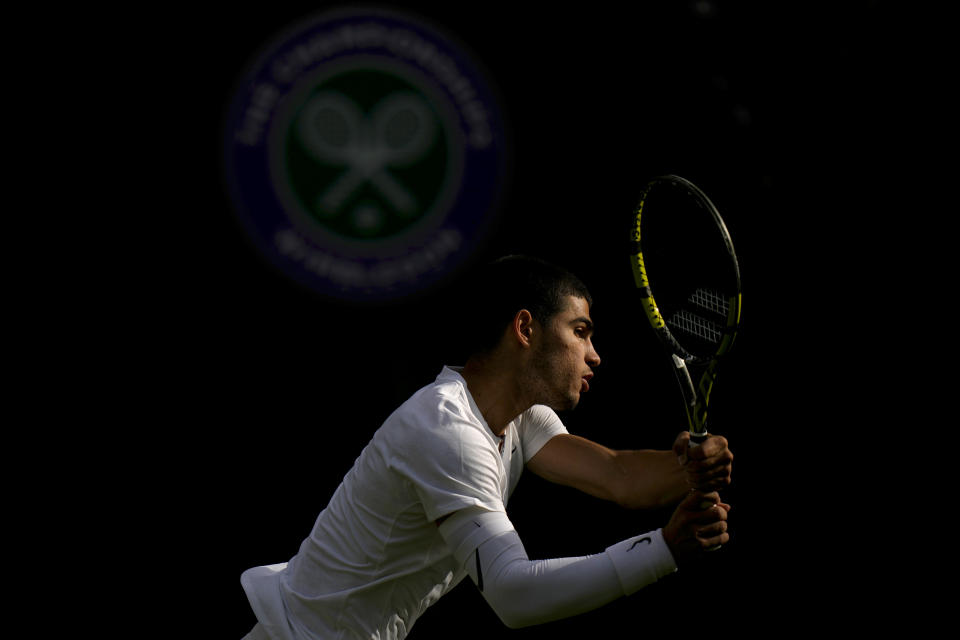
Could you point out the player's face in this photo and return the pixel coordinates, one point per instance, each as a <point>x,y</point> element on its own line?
<point>564,355</point>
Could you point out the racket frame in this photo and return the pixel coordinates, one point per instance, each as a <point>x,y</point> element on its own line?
<point>696,397</point>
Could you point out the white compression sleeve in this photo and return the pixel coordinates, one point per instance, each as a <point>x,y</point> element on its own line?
<point>525,592</point>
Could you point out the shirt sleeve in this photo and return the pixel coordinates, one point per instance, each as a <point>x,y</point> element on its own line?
<point>539,424</point>
<point>451,465</point>
<point>524,592</point>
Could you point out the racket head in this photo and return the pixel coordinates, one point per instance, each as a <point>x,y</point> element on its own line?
<point>686,269</point>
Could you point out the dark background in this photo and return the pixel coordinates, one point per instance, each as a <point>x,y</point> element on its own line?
<point>773,110</point>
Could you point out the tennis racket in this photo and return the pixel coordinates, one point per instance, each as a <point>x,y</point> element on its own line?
<point>686,270</point>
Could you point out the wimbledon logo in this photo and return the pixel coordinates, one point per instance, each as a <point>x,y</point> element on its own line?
<point>364,154</point>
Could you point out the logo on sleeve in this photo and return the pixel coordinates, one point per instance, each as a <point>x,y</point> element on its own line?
<point>645,539</point>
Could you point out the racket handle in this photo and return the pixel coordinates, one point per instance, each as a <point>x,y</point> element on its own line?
<point>697,439</point>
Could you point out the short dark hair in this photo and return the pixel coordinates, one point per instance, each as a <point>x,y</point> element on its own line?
<point>514,282</point>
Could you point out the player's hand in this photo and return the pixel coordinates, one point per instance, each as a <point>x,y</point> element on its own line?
<point>693,530</point>
<point>709,467</point>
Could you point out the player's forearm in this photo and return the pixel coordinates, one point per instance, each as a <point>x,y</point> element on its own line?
<point>635,479</point>
<point>649,479</point>
<point>524,592</point>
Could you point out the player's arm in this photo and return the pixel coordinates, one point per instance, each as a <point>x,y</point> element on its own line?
<point>637,479</point>
<point>524,592</point>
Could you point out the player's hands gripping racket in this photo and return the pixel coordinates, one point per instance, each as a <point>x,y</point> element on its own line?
<point>686,270</point>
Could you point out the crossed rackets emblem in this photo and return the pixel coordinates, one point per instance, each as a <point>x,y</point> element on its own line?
<point>396,132</point>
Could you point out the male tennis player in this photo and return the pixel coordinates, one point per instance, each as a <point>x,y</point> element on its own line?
<point>425,503</point>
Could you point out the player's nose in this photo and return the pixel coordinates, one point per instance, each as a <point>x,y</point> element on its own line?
<point>592,357</point>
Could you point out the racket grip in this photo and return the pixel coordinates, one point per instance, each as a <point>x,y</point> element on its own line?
<point>696,440</point>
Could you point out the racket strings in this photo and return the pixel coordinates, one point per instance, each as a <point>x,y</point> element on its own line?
<point>711,301</point>
<point>693,324</point>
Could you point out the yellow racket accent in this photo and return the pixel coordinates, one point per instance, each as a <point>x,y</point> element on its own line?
<point>640,274</point>
<point>733,321</point>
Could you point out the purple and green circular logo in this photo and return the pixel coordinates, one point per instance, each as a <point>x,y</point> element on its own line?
<point>365,154</point>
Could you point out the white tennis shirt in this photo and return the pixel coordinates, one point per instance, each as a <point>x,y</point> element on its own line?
<point>375,560</point>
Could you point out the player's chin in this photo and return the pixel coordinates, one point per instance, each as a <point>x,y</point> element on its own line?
<point>566,403</point>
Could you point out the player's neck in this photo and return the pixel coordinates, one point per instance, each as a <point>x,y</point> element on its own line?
<point>496,391</point>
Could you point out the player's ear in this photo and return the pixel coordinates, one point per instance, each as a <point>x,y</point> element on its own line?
<point>523,327</point>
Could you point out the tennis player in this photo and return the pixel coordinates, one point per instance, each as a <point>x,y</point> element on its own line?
<point>425,503</point>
